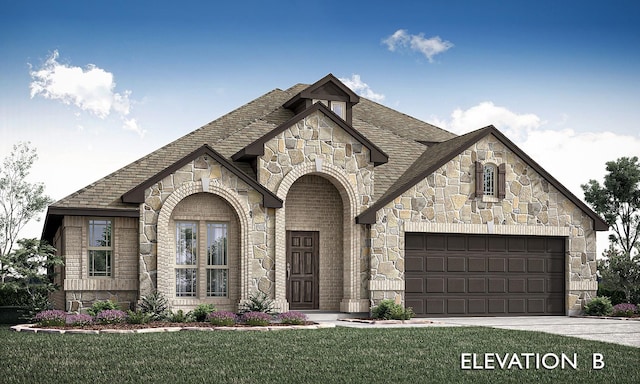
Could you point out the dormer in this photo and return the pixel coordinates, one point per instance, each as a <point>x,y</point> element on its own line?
<point>329,91</point>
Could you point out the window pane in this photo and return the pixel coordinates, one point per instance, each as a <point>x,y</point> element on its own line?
<point>186,243</point>
<point>186,282</point>
<point>217,244</point>
<point>216,282</point>
<point>99,233</point>
<point>489,180</point>
<point>99,263</point>
<point>338,108</point>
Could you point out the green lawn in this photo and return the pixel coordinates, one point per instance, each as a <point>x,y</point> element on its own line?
<point>339,355</point>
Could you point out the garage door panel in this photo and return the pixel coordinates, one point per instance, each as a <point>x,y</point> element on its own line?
<point>535,265</point>
<point>480,275</point>
<point>497,285</point>
<point>414,264</point>
<point>477,264</point>
<point>414,285</point>
<point>477,285</point>
<point>456,306</point>
<point>435,264</point>
<point>456,285</point>
<point>477,306</point>
<point>456,264</point>
<point>497,264</point>
<point>435,285</point>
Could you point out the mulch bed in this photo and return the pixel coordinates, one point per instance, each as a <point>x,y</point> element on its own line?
<point>161,324</point>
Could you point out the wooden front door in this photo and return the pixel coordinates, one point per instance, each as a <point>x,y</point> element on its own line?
<point>302,270</point>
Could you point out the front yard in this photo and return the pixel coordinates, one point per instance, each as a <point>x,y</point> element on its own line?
<point>338,355</point>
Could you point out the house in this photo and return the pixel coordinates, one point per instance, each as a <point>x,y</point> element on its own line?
<point>325,200</point>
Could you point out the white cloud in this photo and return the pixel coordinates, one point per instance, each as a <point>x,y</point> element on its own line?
<point>429,47</point>
<point>572,157</point>
<point>132,125</point>
<point>91,89</point>
<point>361,88</point>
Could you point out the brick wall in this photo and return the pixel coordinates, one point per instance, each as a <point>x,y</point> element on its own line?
<point>314,204</point>
<point>80,290</point>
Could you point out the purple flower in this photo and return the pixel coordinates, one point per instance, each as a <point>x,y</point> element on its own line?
<point>222,318</point>
<point>292,317</point>
<point>79,319</point>
<point>624,309</point>
<point>257,318</point>
<point>111,316</point>
<point>51,317</point>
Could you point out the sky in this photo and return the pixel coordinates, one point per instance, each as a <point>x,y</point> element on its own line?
<point>93,86</point>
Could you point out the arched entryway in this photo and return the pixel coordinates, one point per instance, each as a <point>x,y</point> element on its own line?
<point>314,220</point>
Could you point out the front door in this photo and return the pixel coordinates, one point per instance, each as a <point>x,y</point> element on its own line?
<point>302,269</point>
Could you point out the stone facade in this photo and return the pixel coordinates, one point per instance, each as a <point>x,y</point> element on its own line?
<point>325,178</point>
<point>445,201</point>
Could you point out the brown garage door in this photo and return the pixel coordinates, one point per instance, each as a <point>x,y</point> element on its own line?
<point>484,275</point>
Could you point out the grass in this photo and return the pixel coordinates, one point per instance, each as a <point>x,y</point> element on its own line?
<point>339,355</point>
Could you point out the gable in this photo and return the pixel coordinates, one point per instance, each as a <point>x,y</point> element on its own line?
<point>437,156</point>
<point>137,194</point>
<point>256,148</point>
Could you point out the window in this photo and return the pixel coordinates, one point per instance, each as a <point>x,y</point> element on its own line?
<point>217,269</point>
<point>214,266</point>
<point>489,180</point>
<point>100,248</point>
<point>338,107</point>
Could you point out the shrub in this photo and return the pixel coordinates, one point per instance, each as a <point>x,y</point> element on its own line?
<point>599,306</point>
<point>79,319</point>
<point>100,306</point>
<point>616,296</point>
<point>222,318</point>
<point>156,305</point>
<point>258,302</point>
<point>51,317</point>
<point>178,317</point>
<point>138,317</point>
<point>292,317</point>
<point>201,311</point>
<point>390,310</point>
<point>111,316</point>
<point>256,318</point>
<point>624,309</point>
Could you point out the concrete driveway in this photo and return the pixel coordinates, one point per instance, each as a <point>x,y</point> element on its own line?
<point>625,332</point>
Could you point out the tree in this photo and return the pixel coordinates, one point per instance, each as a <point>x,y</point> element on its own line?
<point>619,272</point>
<point>618,201</point>
<point>20,201</point>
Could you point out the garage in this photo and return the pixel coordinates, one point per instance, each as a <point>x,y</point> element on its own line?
<point>484,275</point>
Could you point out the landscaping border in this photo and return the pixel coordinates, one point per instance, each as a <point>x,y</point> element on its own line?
<point>34,329</point>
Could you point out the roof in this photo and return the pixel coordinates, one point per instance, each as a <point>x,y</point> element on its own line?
<point>394,139</point>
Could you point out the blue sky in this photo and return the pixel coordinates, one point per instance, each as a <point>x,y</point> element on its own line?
<point>96,85</point>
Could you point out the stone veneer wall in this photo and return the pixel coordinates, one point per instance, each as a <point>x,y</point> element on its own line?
<point>80,289</point>
<point>316,145</point>
<point>157,237</point>
<point>445,202</point>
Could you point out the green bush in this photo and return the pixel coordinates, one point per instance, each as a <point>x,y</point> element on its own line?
<point>179,317</point>
<point>138,317</point>
<point>258,302</point>
<point>599,306</point>
<point>390,310</point>
<point>615,295</point>
<point>100,306</point>
<point>201,311</point>
<point>156,305</point>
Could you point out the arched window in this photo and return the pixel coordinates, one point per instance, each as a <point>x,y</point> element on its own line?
<point>489,180</point>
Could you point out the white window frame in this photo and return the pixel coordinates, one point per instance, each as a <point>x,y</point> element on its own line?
<point>186,268</point>
<point>490,180</point>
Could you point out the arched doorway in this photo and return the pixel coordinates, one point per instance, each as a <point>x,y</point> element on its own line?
<point>314,221</point>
